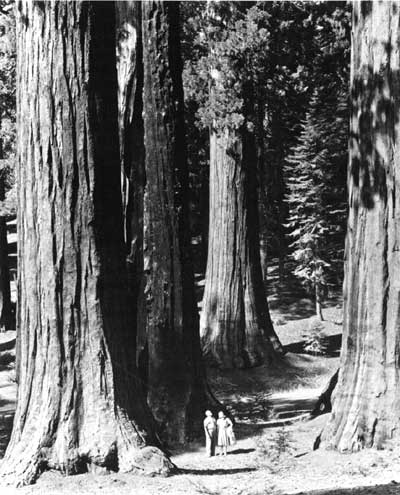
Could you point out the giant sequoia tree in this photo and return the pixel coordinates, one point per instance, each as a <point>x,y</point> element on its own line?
<point>78,401</point>
<point>236,328</point>
<point>366,403</point>
<point>175,382</point>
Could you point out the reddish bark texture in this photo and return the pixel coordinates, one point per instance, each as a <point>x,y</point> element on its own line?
<point>236,328</point>
<point>176,387</point>
<point>79,406</point>
<point>366,402</point>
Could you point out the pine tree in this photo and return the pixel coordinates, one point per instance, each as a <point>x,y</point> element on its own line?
<point>316,196</point>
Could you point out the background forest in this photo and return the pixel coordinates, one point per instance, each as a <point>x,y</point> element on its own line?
<point>296,54</point>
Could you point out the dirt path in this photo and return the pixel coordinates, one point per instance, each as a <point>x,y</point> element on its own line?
<point>251,468</point>
<point>8,389</point>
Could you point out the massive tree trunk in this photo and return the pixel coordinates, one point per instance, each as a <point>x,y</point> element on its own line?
<point>131,136</point>
<point>236,328</point>
<point>177,392</point>
<point>78,402</point>
<point>366,402</point>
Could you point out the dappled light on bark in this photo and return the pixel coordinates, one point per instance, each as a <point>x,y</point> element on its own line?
<point>366,401</point>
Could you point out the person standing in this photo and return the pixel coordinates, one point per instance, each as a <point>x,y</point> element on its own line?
<point>223,426</point>
<point>210,430</point>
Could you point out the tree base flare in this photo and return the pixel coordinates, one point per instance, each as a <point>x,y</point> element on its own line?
<point>146,461</point>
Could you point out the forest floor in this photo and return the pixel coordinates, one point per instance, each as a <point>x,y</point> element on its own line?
<point>274,452</point>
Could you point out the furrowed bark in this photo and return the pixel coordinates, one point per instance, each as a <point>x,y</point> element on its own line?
<point>366,401</point>
<point>131,136</point>
<point>177,389</point>
<point>79,406</point>
<point>235,325</point>
<point>236,328</point>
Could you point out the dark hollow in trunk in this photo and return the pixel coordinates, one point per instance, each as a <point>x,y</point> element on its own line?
<point>131,137</point>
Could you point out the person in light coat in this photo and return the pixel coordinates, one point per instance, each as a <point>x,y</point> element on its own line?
<point>210,430</point>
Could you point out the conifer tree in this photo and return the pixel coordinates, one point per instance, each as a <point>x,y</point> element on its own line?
<point>316,196</point>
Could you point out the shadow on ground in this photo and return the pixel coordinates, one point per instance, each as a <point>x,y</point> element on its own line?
<point>6,406</point>
<point>6,423</point>
<point>8,345</point>
<point>218,471</point>
<point>288,295</point>
<point>241,451</point>
<point>330,343</point>
<point>389,489</point>
<point>278,411</point>
<point>245,430</point>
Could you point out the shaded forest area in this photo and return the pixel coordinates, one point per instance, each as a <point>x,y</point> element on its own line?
<point>198,210</point>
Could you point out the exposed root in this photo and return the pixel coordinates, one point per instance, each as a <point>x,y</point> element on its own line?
<point>324,402</point>
<point>22,473</point>
<point>148,461</point>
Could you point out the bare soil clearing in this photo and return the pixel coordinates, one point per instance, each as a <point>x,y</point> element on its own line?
<point>274,453</point>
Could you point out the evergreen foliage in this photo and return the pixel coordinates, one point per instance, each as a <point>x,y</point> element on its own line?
<point>288,57</point>
<point>315,170</point>
<point>316,198</point>
<point>7,107</point>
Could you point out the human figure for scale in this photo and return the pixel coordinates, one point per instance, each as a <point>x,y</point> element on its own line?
<point>210,430</point>
<point>224,424</point>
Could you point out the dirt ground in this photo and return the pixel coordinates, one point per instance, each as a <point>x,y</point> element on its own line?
<point>274,452</point>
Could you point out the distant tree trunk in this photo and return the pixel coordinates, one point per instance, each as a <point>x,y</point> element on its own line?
<point>235,325</point>
<point>276,190</point>
<point>204,216</point>
<point>78,403</point>
<point>177,392</point>
<point>131,130</point>
<point>262,187</point>
<point>236,328</point>
<point>6,314</point>
<point>318,304</point>
<point>366,401</point>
